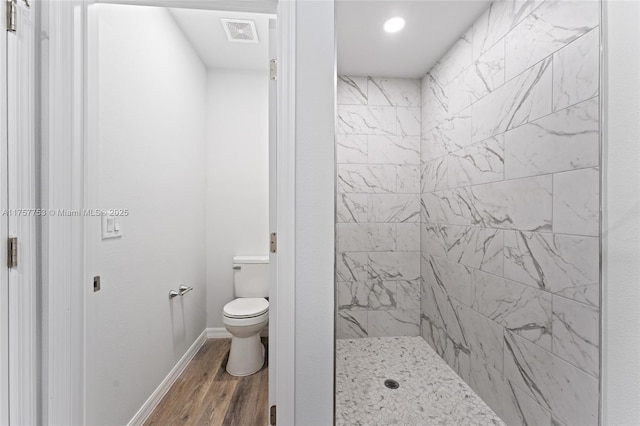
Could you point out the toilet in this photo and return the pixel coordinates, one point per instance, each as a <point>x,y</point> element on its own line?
<point>246,316</point>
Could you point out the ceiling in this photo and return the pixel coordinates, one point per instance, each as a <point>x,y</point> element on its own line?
<point>432,26</point>
<point>205,32</point>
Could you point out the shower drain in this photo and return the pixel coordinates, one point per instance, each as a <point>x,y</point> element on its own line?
<point>391,384</point>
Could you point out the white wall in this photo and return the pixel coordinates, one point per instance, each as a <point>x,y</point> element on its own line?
<point>237,178</point>
<point>315,213</point>
<point>621,220</point>
<point>151,142</point>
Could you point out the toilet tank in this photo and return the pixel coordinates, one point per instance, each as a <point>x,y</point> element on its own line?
<point>251,276</point>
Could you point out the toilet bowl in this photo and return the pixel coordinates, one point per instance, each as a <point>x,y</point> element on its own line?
<point>245,318</point>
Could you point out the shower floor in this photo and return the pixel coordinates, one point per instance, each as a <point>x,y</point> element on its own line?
<point>430,392</point>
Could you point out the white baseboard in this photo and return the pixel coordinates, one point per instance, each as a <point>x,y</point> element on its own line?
<point>222,333</point>
<point>150,404</point>
<point>217,333</point>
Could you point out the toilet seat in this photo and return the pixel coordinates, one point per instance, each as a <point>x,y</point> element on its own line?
<point>246,322</point>
<point>246,307</point>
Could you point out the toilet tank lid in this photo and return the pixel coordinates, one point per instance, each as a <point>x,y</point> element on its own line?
<point>250,259</point>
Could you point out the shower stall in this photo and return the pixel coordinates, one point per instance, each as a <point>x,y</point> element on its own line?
<point>468,228</point>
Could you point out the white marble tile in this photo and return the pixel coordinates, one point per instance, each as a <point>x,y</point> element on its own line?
<point>399,322</point>
<point>435,104</point>
<point>365,237</point>
<point>566,140</point>
<point>432,146</point>
<point>481,78</point>
<point>433,239</point>
<point>523,99</point>
<point>351,149</point>
<point>570,394</point>
<point>353,296</point>
<point>562,264</point>
<point>576,71</point>
<point>351,90</point>
<point>394,208</point>
<point>429,205</point>
<point>519,308</point>
<point>435,175</point>
<point>482,162</point>
<point>424,88</point>
<point>435,336</point>
<point>457,356</point>
<point>392,266</point>
<point>458,58</point>
<point>453,352</point>
<point>488,70</point>
<point>408,121</point>
<point>408,179</point>
<point>576,334</point>
<point>450,135</point>
<point>382,295</point>
<point>437,307</point>
<point>441,310</point>
<point>430,392</point>
<point>359,178</point>
<point>394,149</point>
<point>352,266</point>
<point>366,120</point>
<point>445,207</point>
<point>408,237</point>
<point>479,248</point>
<point>351,207</point>
<point>513,405</point>
<point>351,324</point>
<point>394,91</point>
<point>408,294</point>
<point>513,204</point>
<point>501,17</point>
<point>550,27</point>
<point>452,278</point>
<point>576,202</point>
<point>557,422</point>
<point>521,203</point>
<point>483,336</point>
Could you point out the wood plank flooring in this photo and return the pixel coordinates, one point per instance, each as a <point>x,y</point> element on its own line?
<point>205,394</point>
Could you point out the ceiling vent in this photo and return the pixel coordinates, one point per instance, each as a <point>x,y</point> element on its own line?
<point>240,30</point>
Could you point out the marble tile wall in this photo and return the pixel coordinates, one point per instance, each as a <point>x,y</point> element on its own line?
<point>378,207</point>
<point>510,210</point>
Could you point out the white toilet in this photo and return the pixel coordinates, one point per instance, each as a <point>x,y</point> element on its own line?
<point>248,314</point>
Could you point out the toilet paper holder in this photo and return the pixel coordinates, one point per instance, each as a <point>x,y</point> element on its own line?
<point>182,290</point>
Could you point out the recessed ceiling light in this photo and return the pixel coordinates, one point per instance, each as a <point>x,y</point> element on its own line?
<point>394,25</point>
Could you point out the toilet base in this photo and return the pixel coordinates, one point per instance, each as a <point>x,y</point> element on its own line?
<point>246,356</point>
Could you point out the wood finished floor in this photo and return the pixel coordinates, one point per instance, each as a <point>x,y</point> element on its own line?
<point>205,394</point>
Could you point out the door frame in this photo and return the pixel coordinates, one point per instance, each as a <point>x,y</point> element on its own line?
<point>66,59</point>
<point>19,335</point>
<point>4,282</point>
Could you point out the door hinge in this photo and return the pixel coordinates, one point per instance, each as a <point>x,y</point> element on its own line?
<point>12,15</point>
<point>273,243</point>
<point>272,415</point>
<point>273,69</point>
<point>12,252</point>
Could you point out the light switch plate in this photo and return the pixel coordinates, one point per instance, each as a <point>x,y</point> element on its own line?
<point>111,227</point>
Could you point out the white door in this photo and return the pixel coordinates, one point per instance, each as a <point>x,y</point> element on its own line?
<point>21,217</point>
<point>273,275</point>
